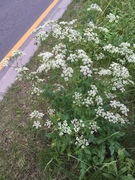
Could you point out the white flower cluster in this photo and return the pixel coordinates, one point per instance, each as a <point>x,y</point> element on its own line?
<point>49,23</point>
<point>90,35</point>
<point>51,111</point>
<point>86,71</point>
<point>94,7</point>
<point>72,22</point>
<point>36,114</point>
<point>110,95</point>
<point>67,73</point>
<point>36,124</point>
<point>72,57</point>
<point>17,53</point>
<point>99,100</point>
<point>59,61</point>
<point>121,76</point>
<point>4,62</point>
<point>48,124</point>
<point>131,58</point>
<point>93,91</point>
<point>42,32</point>
<point>91,25</point>
<point>32,76</point>
<point>44,67</point>
<point>45,56</point>
<point>93,127</point>
<point>77,98</point>
<point>124,110</point>
<point>57,32</point>
<point>124,50</point>
<point>110,116</point>
<point>91,32</point>
<point>59,48</point>
<point>60,31</point>
<point>104,72</point>
<point>64,128</point>
<point>74,36</point>
<point>92,97</point>
<point>41,35</point>
<point>110,48</point>
<point>89,100</point>
<point>86,60</point>
<point>36,90</point>
<point>58,87</point>
<point>21,72</point>
<point>78,124</point>
<point>103,29</point>
<point>99,56</point>
<point>81,142</point>
<point>113,18</point>
<point>39,28</point>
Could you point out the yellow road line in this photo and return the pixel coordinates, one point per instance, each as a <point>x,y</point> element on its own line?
<point>27,34</point>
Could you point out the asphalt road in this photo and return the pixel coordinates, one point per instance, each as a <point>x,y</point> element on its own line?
<point>16,17</point>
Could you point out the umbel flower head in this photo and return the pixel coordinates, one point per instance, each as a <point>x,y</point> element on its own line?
<point>94,7</point>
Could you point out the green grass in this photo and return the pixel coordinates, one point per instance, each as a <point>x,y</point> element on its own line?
<point>22,151</point>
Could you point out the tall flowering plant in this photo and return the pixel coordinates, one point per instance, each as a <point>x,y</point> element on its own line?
<point>84,77</point>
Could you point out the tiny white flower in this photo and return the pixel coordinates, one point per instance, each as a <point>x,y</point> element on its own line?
<point>17,53</point>
<point>67,73</point>
<point>5,62</point>
<point>64,128</point>
<point>36,91</point>
<point>104,72</point>
<point>99,56</point>
<point>113,18</point>
<point>89,35</point>
<point>36,124</point>
<point>51,111</point>
<point>86,71</point>
<point>94,7</point>
<point>48,123</point>
<point>81,141</point>
<point>103,29</point>
<point>36,114</point>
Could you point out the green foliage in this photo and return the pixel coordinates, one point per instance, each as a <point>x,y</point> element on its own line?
<point>121,169</point>
<point>88,76</point>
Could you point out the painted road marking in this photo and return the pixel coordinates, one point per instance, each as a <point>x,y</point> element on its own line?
<point>28,33</point>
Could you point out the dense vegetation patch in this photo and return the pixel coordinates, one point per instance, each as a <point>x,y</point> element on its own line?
<point>82,93</point>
